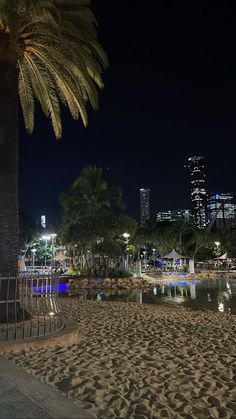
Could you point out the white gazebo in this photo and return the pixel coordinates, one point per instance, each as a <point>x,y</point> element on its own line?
<point>174,255</point>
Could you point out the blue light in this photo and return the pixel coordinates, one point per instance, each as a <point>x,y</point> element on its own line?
<point>62,287</point>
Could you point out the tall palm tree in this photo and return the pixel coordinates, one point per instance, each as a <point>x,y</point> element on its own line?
<point>48,52</point>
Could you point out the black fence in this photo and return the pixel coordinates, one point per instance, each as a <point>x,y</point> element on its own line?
<point>29,306</point>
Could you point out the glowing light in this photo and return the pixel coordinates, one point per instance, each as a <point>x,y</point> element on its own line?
<point>126,235</point>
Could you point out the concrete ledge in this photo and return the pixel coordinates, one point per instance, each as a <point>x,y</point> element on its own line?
<point>69,333</point>
<point>24,396</point>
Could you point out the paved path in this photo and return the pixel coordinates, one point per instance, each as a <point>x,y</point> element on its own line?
<point>23,396</point>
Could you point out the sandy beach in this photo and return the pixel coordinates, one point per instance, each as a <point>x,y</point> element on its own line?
<point>142,361</point>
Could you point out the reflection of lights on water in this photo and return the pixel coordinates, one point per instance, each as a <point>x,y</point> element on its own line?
<point>178,284</point>
<point>221,307</point>
<point>100,294</point>
<point>155,290</point>
<point>228,286</point>
<point>163,289</point>
<point>209,296</point>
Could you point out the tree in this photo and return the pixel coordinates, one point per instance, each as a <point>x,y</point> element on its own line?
<point>48,52</point>
<point>93,219</point>
<point>195,240</point>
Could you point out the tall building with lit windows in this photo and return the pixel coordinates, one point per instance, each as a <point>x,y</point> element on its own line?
<point>144,206</point>
<point>198,189</point>
<point>221,210</point>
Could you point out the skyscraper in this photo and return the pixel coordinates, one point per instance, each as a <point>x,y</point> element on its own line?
<point>198,189</point>
<point>220,210</point>
<point>144,206</point>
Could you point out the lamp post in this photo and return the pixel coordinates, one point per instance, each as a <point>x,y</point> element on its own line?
<point>217,253</point>
<point>144,259</point>
<point>33,251</point>
<point>74,248</point>
<point>46,238</point>
<point>153,253</point>
<point>52,236</point>
<point>126,237</point>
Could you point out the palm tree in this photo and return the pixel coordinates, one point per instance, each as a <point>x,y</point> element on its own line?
<point>48,52</point>
<point>92,190</point>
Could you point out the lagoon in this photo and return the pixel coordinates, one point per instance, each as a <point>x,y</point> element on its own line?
<point>217,295</point>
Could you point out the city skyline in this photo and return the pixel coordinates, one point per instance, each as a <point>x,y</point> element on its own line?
<point>205,205</point>
<point>167,96</point>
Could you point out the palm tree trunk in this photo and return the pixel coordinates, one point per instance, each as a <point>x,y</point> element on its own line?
<point>9,230</point>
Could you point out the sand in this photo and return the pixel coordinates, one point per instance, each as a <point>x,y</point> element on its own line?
<point>142,361</point>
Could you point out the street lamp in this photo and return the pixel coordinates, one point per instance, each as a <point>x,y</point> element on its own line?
<point>217,253</point>
<point>126,237</point>
<point>33,255</point>
<point>153,253</point>
<point>144,259</point>
<point>52,236</point>
<point>45,238</point>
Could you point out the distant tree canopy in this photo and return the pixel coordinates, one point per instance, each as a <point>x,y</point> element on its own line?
<point>184,237</point>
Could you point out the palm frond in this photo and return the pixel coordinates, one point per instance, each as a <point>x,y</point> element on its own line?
<point>45,92</point>
<point>59,58</point>
<point>26,97</point>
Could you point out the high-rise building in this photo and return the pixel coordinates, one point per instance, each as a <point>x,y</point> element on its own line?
<point>173,215</point>
<point>198,189</point>
<point>144,206</point>
<point>221,210</point>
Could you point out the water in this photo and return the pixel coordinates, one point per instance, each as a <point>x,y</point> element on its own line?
<point>215,294</point>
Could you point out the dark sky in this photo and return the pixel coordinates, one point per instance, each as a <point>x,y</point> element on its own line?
<point>170,93</point>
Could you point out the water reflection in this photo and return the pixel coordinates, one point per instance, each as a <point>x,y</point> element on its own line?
<point>216,295</point>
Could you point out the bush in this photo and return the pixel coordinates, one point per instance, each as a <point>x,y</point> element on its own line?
<point>119,273</point>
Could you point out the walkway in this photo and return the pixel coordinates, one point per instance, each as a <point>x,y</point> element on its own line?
<point>23,396</point>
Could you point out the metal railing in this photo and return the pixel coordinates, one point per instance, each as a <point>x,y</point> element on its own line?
<point>29,306</point>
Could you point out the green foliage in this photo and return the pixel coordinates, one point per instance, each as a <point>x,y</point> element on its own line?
<point>119,273</point>
<point>55,46</point>
<point>93,219</point>
<point>184,237</point>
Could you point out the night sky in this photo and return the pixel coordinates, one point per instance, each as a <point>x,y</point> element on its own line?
<point>170,93</point>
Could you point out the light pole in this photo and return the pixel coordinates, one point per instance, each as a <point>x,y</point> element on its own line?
<point>144,259</point>
<point>217,253</point>
<point>46,238</point>
<point>126,237</point>
<point>74,248</point>
<point>153,253</point>
<point>53,236</point>
<point>33,255</point>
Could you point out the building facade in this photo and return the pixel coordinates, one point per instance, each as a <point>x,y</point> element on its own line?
<point>144,206</point>
<point>221,210</point>
<point>198,189</point>
<point>183,215</point>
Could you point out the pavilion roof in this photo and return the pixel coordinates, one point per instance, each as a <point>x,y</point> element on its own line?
<point>174,255</point>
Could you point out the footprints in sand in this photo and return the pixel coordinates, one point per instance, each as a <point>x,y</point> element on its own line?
<point>142,362</point>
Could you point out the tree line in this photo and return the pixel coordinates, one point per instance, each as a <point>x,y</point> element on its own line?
<point>93,223</point>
